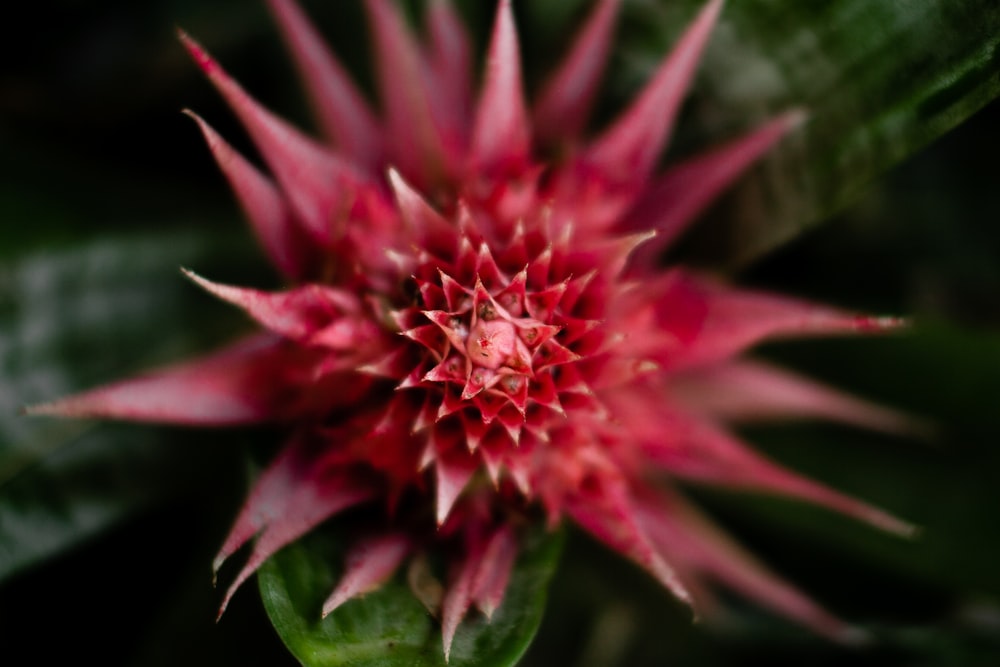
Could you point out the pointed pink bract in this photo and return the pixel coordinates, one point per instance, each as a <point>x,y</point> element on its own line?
<point>264,206</point>
<point>342,111</point>
<point>676,198</point>
<point>628,150</point>
<point>316,497</point>
<point>689,538</point>
<point>369,564</point>
<point>501,135</point>
<point>247,383</point>
<point>564,104</point>
<point>753,391</point>
<point>415,144</point>
<point>319,186</point>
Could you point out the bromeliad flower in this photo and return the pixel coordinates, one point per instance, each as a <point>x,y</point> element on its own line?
<point>479,335</point>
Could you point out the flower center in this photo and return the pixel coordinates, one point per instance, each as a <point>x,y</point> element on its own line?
<point>492,344</point>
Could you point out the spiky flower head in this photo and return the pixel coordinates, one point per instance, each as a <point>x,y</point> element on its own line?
<point>477,334</point>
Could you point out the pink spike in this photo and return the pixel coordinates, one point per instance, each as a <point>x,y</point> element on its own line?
<point>451,403</point>
<point>487,270</point>
<point>368,565</point>
<point>605,510</point>
<point>474,429</point>
<point>450,61</point>
<point>256,380</point>
<point>263,205</point>
<point>451,369</point>
<point>501,136</point>
<point>314,500</point>
<point>299,314</point>
<point>430,336</point>
<point>415,141</point>
<point>479,380</point>
<point>614,252</point>
<point>677,197</point>
<point>710,323</point>
<point>457,599</point>
<point>428,227</point>
<point>395,365</point>
<point>489,403</point>
<point>340,108</point>
<point>751,391</point>
<point>448,325</point>
<point>319,186</point>
<point>269,498</point>
<point>688,537</point>
<point>628,150</point>
<point>552,353</point>
<point>564,105</point>
<point>455,294</point>
<point>493,573</point>
<point>699,451</point>
<point>453,472</point>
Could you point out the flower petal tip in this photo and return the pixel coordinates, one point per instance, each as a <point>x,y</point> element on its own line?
<point>882,323</point>
<point>206,62</point>
<point>795,118</point>
<point>48,409</point>
<point>853,637</point>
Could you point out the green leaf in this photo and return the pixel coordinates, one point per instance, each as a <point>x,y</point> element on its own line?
<point>879,80</point>
<point>389,626</point>
<point>72,317</point>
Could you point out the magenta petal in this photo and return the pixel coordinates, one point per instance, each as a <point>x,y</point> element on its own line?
<point>699,451</point>
<point>676,198</point>
<point>314,499</point>
<point>564,105</point>
<point>450,62</point>
<point>256,380</point>
<point>493,573</point>
<point>688,537</point>
<point>415,141</point>
<point>454,470</point>
<point>319,186</point>
<point>341,110</point>
<point>368,565</point>
<point>270,496</point>
<point>428,227</point>
<point>627,151</point>
<point>299,314</point>
<point>501,135</point>
<point>753,391</point>
<point>605,510</point>
<point>457,599</point>
<point>709,322</point>
<point>264,206</point>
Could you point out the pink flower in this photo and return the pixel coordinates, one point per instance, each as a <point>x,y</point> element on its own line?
<point>479,334</point>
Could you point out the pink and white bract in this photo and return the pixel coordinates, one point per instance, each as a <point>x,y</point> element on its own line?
<point>476,334</point>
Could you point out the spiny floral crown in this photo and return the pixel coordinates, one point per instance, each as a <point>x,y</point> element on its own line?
<point>495,327</point>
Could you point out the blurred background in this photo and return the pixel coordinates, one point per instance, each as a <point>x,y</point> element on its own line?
<point>107,531</point>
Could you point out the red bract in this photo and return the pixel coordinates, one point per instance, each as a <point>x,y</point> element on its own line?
<point>477,332</point>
